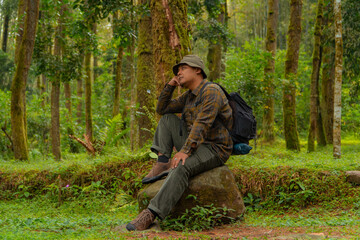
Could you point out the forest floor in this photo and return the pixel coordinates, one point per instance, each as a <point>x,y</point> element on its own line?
<point>323,206</point>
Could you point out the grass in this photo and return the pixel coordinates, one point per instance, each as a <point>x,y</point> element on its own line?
<point>276,173</point>
<point>322,159</point>
<point>95,218</point>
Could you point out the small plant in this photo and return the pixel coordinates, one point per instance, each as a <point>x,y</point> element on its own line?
<point>197,219</point>
<point>252,202</point>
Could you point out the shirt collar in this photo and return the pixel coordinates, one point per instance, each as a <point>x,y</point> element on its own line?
<point>197,90</point>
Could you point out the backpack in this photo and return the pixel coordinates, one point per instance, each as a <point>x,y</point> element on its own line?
<point>244,125</point>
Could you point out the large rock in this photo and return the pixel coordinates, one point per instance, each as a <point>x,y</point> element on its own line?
<point>353,177</point>
<point>216,186</point>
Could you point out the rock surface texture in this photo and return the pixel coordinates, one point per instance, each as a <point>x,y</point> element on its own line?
<point>353,177</point>
<point>216,186</point>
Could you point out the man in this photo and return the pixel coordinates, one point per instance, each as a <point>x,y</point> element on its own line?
<point>200,137</point>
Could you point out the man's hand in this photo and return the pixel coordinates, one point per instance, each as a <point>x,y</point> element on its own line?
<point>180,156</point>
<point>174,81</point>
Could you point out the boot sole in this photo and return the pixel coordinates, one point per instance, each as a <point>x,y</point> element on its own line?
<point>155,178</point>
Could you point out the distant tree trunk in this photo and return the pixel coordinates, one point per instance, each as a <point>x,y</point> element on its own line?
<point>5,32</point>
<point>88,93</point>
<point>116,107</point>
<point>95,61</point>
<point>145,74</point>
<point>134,126</point>
<point>79,93</point>
<point>214,56</point>
<point>170,37</point>
<point>338,78</point>
<point>24,50</point>
<point>328,73</point>
<point>291,66</point>
<point>270,44</point>
<point>314,88</point>
<point>55,91</point>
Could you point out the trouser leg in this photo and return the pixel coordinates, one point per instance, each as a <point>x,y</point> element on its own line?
<point>203,159</point>
<point>167,135</point>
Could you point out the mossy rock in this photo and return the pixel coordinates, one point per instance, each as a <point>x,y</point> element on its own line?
<point>217,187</point>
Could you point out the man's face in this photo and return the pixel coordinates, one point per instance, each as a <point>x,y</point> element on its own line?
<point>187,75</point>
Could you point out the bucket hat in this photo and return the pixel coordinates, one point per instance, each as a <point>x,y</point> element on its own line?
<point>192,61</point>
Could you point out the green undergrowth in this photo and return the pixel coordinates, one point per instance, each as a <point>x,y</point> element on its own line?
<point>42,217</point>
<point>270,177</point>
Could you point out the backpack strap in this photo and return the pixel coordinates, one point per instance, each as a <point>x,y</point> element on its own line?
<point>197,103</point>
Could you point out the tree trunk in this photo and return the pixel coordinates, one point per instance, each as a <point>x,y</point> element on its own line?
<point>88,92</point>
<point>214,56</point>
<point>170,37</point>
<point>5,32</point>
<point>338,79</point>
<point>268,118</point>
<point>134,126</point>
<point>291,66</point>
<point>328,73</point>
<point>79,93</point>
<point>146,81</point>
<point>116,107</point>
<point>314,88</point>
<point>55,92</point>
<point>95,61</point>
<point>24,50</point>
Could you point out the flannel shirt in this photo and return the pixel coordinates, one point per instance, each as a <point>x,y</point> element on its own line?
<point>207,115</point>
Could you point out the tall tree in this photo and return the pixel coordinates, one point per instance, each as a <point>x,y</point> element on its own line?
<point>328,72</point>
<point>217,11</point>
<point>24,49</point>
<point>170,37</point>
<point>291,66</point>
<point>145,74</point>
<point>118,67</point>
<point>314,88</point>
<point>338,78</point>
<point>270,45</point>
<point>7,9</point>
<point>55,90</point>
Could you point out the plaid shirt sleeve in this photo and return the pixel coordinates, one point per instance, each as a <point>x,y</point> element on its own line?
<point>211,102</point>
<point>166,104</point>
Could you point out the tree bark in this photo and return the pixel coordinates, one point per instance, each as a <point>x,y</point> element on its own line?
<point>79,93</point>
<point>270,45</point>
<point>24,50</point>
<point>328,73</point>
<point>291,66</point>
<point>55,92</point>
<point>117,90</point>
<point>314,88</point>
<point>338,79</point>
<point>5,32</point>
<point>134,126</point>
<point>146,81</point>
<point>88,93</point>
<point>170,37</point>
<point>214,56</point>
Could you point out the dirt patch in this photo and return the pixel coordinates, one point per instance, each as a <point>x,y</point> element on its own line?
<point>241,231</point>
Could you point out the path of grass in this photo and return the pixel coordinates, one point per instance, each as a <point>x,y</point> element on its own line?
<point>94,218</point>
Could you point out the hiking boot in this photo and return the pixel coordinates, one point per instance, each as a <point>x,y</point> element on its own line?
<point>158,171</point>
<point>142,221</point>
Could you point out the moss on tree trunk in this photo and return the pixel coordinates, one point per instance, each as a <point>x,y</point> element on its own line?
<point>291,66</point>
<point>117,90</point>
<point>24,50</point>
<point>270,45</point>
<point>88,93</point>
<point>145,75</point>
<point>314,88</point>
<point>170,37</point>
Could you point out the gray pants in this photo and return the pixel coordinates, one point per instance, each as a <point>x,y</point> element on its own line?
<point>167,136</point>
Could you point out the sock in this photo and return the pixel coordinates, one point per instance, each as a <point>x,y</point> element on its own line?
<point>155,214</point>
<point>163,159</point>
